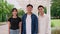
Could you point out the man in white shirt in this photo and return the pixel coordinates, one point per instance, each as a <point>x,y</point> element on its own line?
<point>43,21</point>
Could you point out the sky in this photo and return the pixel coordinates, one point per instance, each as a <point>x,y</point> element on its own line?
<point>15,3</point>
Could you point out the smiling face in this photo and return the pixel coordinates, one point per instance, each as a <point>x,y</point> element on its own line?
<point>14,12</point>
<point>41,10</point>
<point>29,9</point>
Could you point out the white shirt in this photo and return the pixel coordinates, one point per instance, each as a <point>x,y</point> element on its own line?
<point>28,24</point>
<point>43,24</point>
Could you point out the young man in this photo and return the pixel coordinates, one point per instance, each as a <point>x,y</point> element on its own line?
<point>43,21</point>
<point>29,21</point>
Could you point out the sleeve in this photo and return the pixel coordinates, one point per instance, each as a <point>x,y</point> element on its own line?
<point>20,19</point>
<point>22,32</point>
<point>36,24</point>
<point>48,25</point>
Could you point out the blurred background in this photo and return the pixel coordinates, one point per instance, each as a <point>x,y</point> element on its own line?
<point>55,16</point>
<point>52,8</point>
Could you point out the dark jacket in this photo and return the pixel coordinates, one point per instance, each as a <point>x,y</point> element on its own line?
<point>34,26</point>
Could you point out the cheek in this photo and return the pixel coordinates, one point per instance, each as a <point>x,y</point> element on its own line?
<point>14,12</point>
<point>27,9</point>
<point>40,10</point>
<point>30,9</point>
<point>43,9</point>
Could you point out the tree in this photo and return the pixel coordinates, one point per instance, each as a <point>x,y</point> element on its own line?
<point>21,12</point>
<point>5,9</point>
<point>55,8</point>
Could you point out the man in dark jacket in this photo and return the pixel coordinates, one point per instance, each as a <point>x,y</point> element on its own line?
<point>29,22</point>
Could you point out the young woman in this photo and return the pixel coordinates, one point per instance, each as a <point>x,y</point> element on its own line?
<point>14,22</point>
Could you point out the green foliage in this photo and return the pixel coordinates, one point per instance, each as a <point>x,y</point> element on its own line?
<point>52,24</point>
<point>55,22</point>
<point>21,12</point>
<point>55,8</point>
<point>45,10</point>
<point>5,9</point>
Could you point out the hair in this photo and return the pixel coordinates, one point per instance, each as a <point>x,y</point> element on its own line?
<point>40,6</point>
<point>13,11</point>
<point>30,5</point>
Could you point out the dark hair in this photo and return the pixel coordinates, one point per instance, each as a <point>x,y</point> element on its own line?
<point>30,5</point>
<point>14,9</point>
<point>40,6</point>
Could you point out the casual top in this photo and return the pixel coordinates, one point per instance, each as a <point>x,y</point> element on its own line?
<point>34,24</point>
<point>14,22</point>
<point>28,24</point>
<point>43,24</point>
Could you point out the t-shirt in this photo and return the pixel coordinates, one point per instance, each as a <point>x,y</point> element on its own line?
<point>14,22</point>
<point>28,24</point>
<point>43,24</point>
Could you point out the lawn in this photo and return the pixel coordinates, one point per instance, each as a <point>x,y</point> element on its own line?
<point>56,26</point>
<point>56,22</point>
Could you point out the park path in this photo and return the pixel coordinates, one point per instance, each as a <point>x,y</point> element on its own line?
<point>4,29</point>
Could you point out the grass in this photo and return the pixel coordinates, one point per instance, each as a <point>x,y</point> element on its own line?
<point>56,22</point>
<point>56,26</point>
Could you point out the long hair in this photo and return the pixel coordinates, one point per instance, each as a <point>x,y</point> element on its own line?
<point>16,11</point>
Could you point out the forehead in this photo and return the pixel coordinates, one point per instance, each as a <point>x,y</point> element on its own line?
<point>14,10</point>
<point>29,7</point>
<point>40,7</point>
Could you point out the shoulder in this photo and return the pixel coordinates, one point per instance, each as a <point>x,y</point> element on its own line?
<point>34,15</point>
<point>9,19</point>
<point>46,16</point>
<point>24,15</point>
<point>19,18</point>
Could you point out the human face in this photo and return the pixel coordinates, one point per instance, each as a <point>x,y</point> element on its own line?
<point>41,10</point>
<point>29,9</point>
<point>14,13</point>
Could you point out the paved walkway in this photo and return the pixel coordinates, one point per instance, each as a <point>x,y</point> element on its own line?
<point>4,29</point>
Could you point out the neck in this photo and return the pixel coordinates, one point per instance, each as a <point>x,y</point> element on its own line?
<point>29,13</point>
<point>42,14</point>
<point>14,16</point>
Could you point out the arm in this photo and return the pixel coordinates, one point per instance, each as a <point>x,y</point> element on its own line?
<point>23,27</point>
<point>47,25</point>
<point>20,26</point>
<point>36,25</point>
<point>8,27</point>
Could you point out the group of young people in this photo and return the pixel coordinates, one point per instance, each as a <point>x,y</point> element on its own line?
<point>29,23</point>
